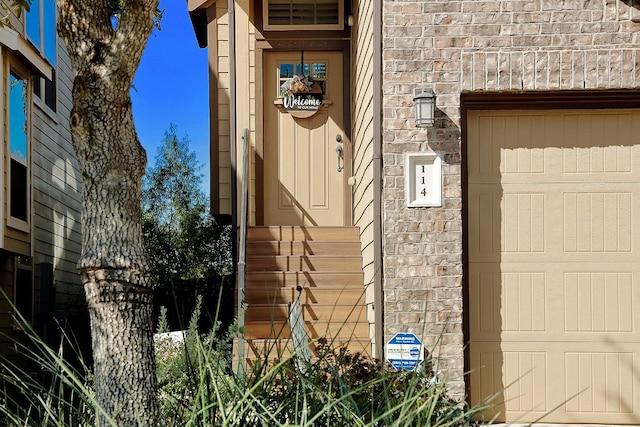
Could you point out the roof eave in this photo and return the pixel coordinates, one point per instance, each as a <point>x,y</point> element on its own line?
<point>198,13</point>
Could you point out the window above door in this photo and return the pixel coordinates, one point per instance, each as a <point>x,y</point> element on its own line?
<point>315,72</point>
<point>303,14</point>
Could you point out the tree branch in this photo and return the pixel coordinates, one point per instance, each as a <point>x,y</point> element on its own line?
<point>136,22</point>
<point>85,26</point>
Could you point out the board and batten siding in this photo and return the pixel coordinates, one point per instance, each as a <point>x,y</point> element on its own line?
<point>220,93</point>
<point>219,84</point>
<point>245,99</point>
<point>363,151</point>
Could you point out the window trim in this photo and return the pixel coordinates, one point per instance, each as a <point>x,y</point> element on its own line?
<point>16,43</point>
<point>14,67</point>
<point>319,27</point>
<point>39,101</point>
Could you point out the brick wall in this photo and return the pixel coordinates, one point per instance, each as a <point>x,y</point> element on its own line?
<point>453,46</point>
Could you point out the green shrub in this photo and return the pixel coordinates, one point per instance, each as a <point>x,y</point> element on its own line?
<point>198,385</point>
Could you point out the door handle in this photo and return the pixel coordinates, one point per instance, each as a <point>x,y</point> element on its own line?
<point>339,152</point>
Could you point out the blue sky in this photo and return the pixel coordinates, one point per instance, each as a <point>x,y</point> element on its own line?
<point>171,86</point>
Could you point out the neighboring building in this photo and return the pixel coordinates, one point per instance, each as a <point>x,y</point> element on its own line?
<point>519,263</point>
<point>41,186</point>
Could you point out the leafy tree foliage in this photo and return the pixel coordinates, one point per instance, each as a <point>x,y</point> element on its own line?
<point>181,238</point>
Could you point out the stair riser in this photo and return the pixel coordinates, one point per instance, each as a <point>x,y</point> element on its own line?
<point>326,262</point>
<point>273,280</point>
<point>279,349</point>
<point>280,313</point>
<point>315,329</point>
<point>304,263</point>
<point>303,248</point>
<point>328,297</point>
<point>299,234</point>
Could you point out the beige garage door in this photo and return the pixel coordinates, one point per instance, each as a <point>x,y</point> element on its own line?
<point>554,264</point>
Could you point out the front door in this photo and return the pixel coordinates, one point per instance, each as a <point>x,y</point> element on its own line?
<point>305,152</point>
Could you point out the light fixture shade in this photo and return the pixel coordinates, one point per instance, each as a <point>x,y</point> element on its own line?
<point>425,102</point>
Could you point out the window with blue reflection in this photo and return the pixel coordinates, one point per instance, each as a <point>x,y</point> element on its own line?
<point>18,148</point>
<point>49,31</point>
<point>286,70</point>
<point>319,71</point>
<point>33,23</point>
<point>18,118</point>
<point>40,23</point>
<point>302,70</point>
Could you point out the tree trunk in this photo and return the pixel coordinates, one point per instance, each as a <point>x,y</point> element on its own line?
<point>115,270</point>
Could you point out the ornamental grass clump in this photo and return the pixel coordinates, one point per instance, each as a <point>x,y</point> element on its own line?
<point>199,384</point>
<point>337,388</point>
<point>45,386</point>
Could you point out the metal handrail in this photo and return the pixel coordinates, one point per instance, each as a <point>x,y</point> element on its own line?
<point>242,246</point>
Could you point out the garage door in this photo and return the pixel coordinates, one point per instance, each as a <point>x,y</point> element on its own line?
<point>554,264</point>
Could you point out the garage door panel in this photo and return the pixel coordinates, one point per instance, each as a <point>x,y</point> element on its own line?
<point>520,374</point>
<point>513,219</point>
<point>548,302</point>
<point>600,382</point>
<point>598,302</point>
<point>507,301</point>
<point>597,221</point>
<point>597,160</point>
<point>485,235</point>
<point>512,223</point>
<point>553,266</point>
<point>575,385</point>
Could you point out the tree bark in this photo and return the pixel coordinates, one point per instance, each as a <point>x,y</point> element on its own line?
<point>115,271</point>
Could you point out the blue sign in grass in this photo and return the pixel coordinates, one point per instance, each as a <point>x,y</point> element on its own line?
<point>405,351</point>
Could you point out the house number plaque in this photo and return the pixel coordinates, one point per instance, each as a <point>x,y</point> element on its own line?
<point>423,179</point>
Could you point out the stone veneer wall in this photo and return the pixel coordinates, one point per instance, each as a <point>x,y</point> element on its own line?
<point>471,45</point>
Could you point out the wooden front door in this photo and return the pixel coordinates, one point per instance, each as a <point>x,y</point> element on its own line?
<point>304,171</point>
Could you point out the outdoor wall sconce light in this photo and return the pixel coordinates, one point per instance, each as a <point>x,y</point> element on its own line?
<point>425,102</point>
